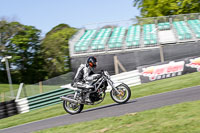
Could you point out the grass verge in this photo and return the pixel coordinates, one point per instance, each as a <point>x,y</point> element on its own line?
<point>179,118</point>
<point>5,94</point>
<point>6,87</point>
<point>155,87</point>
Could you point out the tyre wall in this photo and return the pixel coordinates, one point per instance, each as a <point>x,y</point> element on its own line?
<point>8,108</point>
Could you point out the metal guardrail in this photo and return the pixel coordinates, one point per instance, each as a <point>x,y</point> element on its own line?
<point>42,100</point>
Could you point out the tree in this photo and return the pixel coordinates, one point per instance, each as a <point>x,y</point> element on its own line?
<point>7,31</point>
<point>56,49</point>
<point>34,59</point>
<point>22,42</point>
<point>155,8</point>
<point>24,47</point>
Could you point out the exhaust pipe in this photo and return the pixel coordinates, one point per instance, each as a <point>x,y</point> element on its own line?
<point>68,99</point>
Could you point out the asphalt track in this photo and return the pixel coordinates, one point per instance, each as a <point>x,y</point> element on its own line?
<point>135,105</point>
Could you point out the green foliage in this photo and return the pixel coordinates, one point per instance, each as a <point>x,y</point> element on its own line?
<point>34,59</point>
<point>27,58</point>
<point>57,28</point>
<point>3,75</point>
<point>155,8</point>
<point>23,44</point>
<point>56,49</point>
<point>7,31</point>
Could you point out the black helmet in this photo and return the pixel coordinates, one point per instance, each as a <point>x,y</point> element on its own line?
<point>92,61</point>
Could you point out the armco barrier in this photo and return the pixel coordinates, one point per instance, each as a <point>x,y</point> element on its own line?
<point>53,97</point>
<point>41,100</point>
<point>8,108</point>
<point>22,105</point>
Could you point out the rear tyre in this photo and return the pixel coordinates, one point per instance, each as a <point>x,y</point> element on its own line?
<point>123,96</point>
<point>72,108</point>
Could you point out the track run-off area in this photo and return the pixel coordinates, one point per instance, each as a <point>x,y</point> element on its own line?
<point>135,105</point>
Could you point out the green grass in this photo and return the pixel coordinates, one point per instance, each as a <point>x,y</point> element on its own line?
<point>179,118</point>
<point>5,93</point>
<point>6,87</point>
<point>137,91</point>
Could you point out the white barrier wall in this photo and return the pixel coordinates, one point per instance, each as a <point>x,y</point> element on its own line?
<point>130,78</point>
<point>22,105</point>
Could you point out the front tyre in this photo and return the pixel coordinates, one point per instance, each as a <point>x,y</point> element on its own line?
<point>72,108</point>
<point>123,96</point>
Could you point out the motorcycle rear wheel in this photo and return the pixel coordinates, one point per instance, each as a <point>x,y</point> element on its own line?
<point>72,108</point>
<point>123,96</point>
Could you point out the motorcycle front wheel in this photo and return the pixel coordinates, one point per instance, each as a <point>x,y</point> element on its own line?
<point>123,96</point>
<point>72,108</point>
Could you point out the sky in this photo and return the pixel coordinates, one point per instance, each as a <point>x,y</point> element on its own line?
<point>46,14</point>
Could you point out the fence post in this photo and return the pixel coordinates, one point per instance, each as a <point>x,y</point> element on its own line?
<point>40,86</point>
<point>25,93</point>
<point>161,54</point>
<point>2,96</point>
<point>116,65</point>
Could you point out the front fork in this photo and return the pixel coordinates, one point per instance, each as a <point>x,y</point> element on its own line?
<point>113,87</point>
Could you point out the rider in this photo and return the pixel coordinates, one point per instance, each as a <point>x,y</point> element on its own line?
<point>85,73</point>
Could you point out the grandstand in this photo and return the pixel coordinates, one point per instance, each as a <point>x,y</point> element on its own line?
<point>148,32</point>
<point>136,35</point>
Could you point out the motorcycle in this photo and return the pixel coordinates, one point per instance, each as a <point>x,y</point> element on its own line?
<point>94,93</point>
